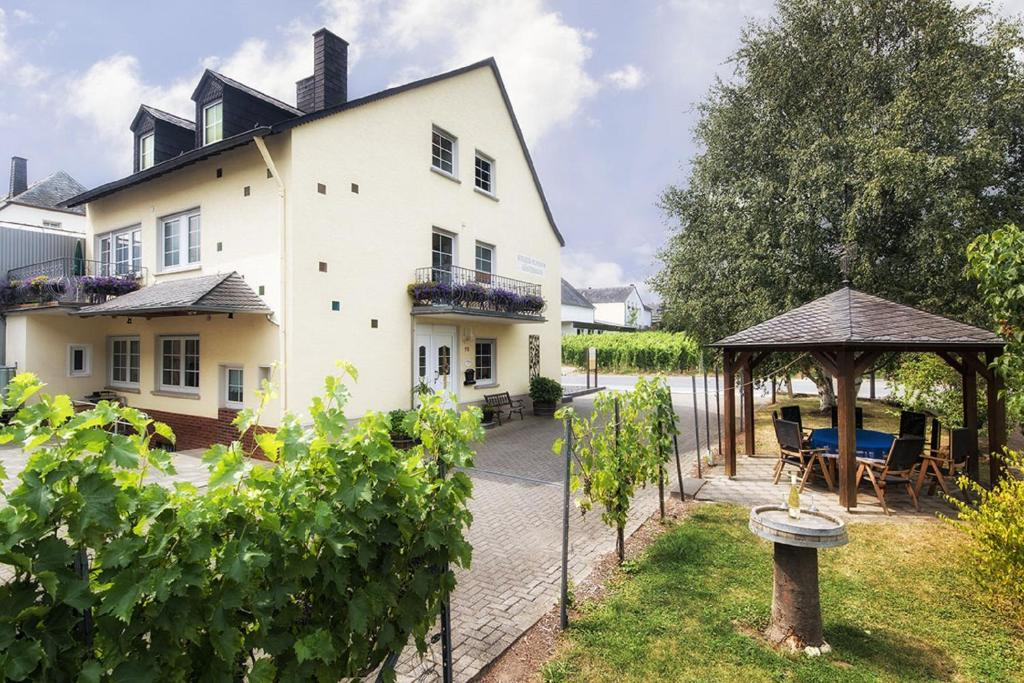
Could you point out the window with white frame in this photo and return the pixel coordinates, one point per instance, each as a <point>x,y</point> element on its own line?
<point>234,392</point>
<point>124,361</point>
<point>213,122</point>
<point>442,256</point>
<point>181,236</point>
<point>179,364</point>
<point>484,258</point>
<point>484,173</point>
<point>120,251</point>
<point>486,369</point>
<point>79,360</point>
<point>146,151</point>
<point>443,152</point>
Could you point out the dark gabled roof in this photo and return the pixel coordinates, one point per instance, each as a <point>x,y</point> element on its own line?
<point>210,73</point>
<point>50,193</point>
<point>301,119</point>
<point>156,170</point>
<point>221,293</point>
<point>163,116</point>
<point>572,297</point>
<point>847,317</point>
<point>608,295</point>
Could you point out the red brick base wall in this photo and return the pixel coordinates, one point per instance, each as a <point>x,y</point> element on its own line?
<point>193,431</point>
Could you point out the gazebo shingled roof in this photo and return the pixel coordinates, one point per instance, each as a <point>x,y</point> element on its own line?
<point>846,332</point>
<point>850,318</point>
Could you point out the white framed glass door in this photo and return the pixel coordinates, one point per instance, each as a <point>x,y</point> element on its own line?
<point>435,360</point>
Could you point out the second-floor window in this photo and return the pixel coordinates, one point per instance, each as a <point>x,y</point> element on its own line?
<point>181,237</point>
<point>146,151</point>
<point>213,122</point>
<point>443,152</point>
<point>484,262</point>
<point>484,173</point>
<point>442,256</point>
<point>120,252</point>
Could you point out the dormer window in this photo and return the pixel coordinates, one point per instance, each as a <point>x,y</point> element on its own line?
<point>213,122</point>
<point>146,151</point>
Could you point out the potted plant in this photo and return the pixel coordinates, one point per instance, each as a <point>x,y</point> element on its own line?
<point>545,394</point>
<point>400,424</point>
<point>488,415</point>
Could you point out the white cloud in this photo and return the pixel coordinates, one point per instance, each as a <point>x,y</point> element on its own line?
<point>24,16</point>
<point>583,269</point>
<point>5,50</point>
<point>542,58</point>
<point>109,93</point>
<point>28,75</point>
<point>629,77</point>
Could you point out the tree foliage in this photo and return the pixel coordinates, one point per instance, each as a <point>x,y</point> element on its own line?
<point>312,567</point>
<point>923,382</point>
<point>996,262</point>
<point>889,125</point>
<point>617,452</point>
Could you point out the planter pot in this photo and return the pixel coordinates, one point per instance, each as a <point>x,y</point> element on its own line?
<point>544,409</point>
<point>489,425</point>
<point>402,443</point>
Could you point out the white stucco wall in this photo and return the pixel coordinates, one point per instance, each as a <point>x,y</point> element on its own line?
<point>34,216</point>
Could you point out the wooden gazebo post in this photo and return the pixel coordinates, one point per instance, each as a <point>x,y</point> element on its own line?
<point>996,418</point>
<point>969,372</point>
<point>729,412</point>
<point>846,401</point>
<point>748,402</point>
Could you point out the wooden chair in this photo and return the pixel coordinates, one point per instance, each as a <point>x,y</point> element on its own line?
<point>858,414</point>
<point>896,470</point>
<point>913,424</point>
<point>793,453</point>
<point>792,414</point>
<point>937,463</point>
<point>504,401</point>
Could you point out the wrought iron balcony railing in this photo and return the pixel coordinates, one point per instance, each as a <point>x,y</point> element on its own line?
<point>476,291</point>
<point>68,281</point>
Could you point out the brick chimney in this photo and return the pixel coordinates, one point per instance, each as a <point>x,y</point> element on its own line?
<point>328,86</point>
<point>19,175</point>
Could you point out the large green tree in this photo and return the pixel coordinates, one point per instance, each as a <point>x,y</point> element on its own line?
<point>891,125</point>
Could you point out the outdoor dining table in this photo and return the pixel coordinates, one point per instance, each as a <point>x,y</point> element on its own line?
<point>870,443</point>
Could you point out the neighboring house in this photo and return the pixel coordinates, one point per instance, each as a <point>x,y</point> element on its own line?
<point>619,306</point>
<point>39,205</point>
<point>405,232</point>
<point>577,312</point>
<point>657,314</point>
<point>34,228</point>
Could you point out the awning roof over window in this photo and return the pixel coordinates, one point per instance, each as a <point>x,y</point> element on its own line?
<point>221,293</point>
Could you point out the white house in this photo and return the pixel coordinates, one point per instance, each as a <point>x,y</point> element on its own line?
<point>621,307</point>
<point>577,312</point>
<point>39,205</point>
<point>405,231</point>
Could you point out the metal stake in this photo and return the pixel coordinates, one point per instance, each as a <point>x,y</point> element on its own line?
<point>718,412</point>
<point>446,610</point>
<point>696,421</point>
<point>567,446</point>
<point>707,416</point>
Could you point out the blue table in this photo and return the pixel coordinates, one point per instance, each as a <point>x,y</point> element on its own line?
<point>870,444</point>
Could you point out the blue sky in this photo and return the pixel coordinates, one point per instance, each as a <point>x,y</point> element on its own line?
<point>605,90</point>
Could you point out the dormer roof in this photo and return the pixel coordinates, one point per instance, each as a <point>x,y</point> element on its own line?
<point>146,110</point>
<point>252,92</point>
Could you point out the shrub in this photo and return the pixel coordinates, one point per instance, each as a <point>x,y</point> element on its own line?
<point>995,528</point>
<point>923,382</point>
<point>312,567</point>
<point>401,423</point>
<point>633,351</point>
<point>545,390</point>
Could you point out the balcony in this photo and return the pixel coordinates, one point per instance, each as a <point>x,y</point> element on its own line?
<point>70,282</point>
<point>462,293</point>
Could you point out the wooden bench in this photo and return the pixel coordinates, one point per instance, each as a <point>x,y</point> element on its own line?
<point>504,401</point>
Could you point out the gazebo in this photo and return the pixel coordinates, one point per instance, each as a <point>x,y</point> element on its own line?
<point>846,332</point>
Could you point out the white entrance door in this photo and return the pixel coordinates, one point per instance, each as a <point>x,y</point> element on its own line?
<point>434,360</point>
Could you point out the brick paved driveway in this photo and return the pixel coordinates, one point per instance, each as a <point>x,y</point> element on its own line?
<point>516,537</point>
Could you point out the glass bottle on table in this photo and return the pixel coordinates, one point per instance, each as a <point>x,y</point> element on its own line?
<point>793,502</point>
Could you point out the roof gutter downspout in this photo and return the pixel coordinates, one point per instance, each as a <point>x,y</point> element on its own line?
<point>261,145</point>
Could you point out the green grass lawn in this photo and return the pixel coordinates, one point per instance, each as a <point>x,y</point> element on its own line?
<point>895,603</point>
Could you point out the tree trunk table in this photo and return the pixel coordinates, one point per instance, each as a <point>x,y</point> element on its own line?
<point>796,605</point>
